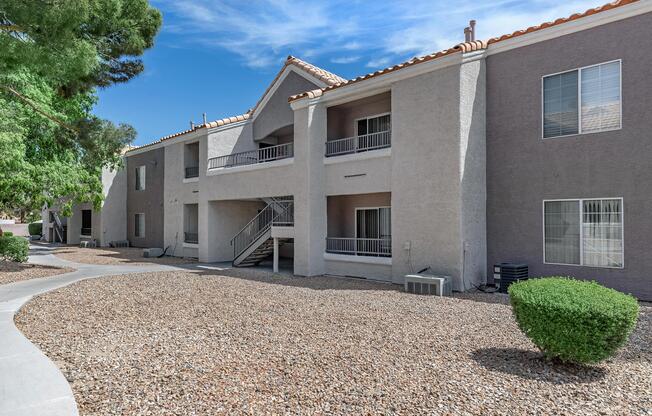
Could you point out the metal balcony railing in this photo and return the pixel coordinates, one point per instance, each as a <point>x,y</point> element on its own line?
<point>191,238</point>
<point>358,144</point>
<point>192,172</point>
<point>381,247</point>
<point>267,154</point>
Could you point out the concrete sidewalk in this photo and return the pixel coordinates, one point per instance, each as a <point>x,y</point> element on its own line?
<point>31,384</point>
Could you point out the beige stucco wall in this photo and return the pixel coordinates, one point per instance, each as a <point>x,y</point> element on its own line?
<point>356,269</point>
<point>359,173</point>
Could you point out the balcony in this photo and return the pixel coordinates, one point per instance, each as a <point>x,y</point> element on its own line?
<point>252,157</point>
<point>357,144</point>
<point>192,172</point>
<point>380,247</point>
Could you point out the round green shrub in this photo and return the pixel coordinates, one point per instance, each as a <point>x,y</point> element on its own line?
<point>14,248</point>
<point>572,320</point>
<point>35,228</point>
<point>8,233</point>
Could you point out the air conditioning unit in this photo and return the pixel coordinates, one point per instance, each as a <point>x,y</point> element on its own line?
<point>507,273</point>
<point>119,243</point>
<point>152,252</point>
<point>427,284</point>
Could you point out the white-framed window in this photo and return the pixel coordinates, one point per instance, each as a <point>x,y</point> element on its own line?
<point>583,232</point>
<point>373,124</point>
<point>139,225</point>
<point>582,100</point>
<point>140,178</point>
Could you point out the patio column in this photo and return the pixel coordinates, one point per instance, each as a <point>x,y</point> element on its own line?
<point>309,198</point>
<point>275,254</point>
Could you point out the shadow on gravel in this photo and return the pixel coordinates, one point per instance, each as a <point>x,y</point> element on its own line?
<point>534,366</point>
<point>314,283</point>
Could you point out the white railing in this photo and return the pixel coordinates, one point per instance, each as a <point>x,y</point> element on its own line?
<point>357,144</point>
<point>267,154</point>
<point>360,246</point>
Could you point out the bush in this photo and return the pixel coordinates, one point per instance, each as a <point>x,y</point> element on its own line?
<point>572,320</point>
<point>14,248</point>
<point>7,233</point>
<point>35,228</point>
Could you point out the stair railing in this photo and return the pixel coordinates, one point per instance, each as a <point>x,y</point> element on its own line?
<point>275,213</point>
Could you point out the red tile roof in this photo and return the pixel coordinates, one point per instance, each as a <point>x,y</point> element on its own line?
<point>463,47</point>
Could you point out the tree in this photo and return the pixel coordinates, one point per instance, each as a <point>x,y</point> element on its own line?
<point>53,56</point>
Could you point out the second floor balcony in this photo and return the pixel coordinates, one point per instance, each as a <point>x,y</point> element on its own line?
<point>263,155</point>
<point>357,144</point>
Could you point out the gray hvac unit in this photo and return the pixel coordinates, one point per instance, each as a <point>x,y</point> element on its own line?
<point>507,273</point>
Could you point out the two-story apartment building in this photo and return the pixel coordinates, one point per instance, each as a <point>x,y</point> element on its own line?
<point>531,147</point>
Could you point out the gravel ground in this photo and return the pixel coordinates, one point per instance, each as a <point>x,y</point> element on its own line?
<point>244,342</point>
<point>14,272</point>
<point>112,256</point>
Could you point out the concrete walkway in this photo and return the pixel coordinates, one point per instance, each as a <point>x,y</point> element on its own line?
<point>31,384</point>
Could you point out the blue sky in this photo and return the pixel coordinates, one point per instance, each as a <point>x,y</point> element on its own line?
<point>218,56</point>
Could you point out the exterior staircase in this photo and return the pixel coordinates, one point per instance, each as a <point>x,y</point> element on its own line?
<point>254,242</point>
<point>60,230</point>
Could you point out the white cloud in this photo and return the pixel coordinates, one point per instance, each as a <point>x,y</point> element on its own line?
<point>345,59</point>
<point>264,32</point>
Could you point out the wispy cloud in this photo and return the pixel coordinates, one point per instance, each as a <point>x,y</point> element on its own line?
<point>263,32</point>
<point>345,59</point>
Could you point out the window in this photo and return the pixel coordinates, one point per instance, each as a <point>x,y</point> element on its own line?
<point>139,225</point>
<point>373,230</point>
<point>585,100</point>
<point>375,124</point>
<point>140,178</point>
<point>86,225</point>
<point>586,232</point>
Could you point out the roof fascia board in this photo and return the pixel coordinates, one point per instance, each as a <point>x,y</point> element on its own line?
<point>587,22</point>
<point>279,80</point>
<point>377,84</point>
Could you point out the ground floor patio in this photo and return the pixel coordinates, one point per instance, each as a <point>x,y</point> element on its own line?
<point>207,339</point>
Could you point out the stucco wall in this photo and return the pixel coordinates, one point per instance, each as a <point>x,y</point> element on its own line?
<point>113,219</point>
<point>425,174</point>
<point>359,173</point>
<point>523,169</point>
<point>148,201</point>
<point>341,118</point>
<point>341,211</point>
<point>177,192</point>
<point>219,222</point>
<point>355,269</point>
<point>277,112</point>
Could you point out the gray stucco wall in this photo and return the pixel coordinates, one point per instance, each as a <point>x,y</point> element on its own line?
<point>277,112</point>
<point>426,200</point>
<point>177,193</point>
<point>148,201</point>
<point>523,169</point>
<point>114,209</point>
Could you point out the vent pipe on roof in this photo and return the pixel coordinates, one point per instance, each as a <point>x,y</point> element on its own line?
<point>192,125</point>
<point>469,32</point>
<point>204,115</point>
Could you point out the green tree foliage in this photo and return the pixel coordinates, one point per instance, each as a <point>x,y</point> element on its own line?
<point>53,56</point>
